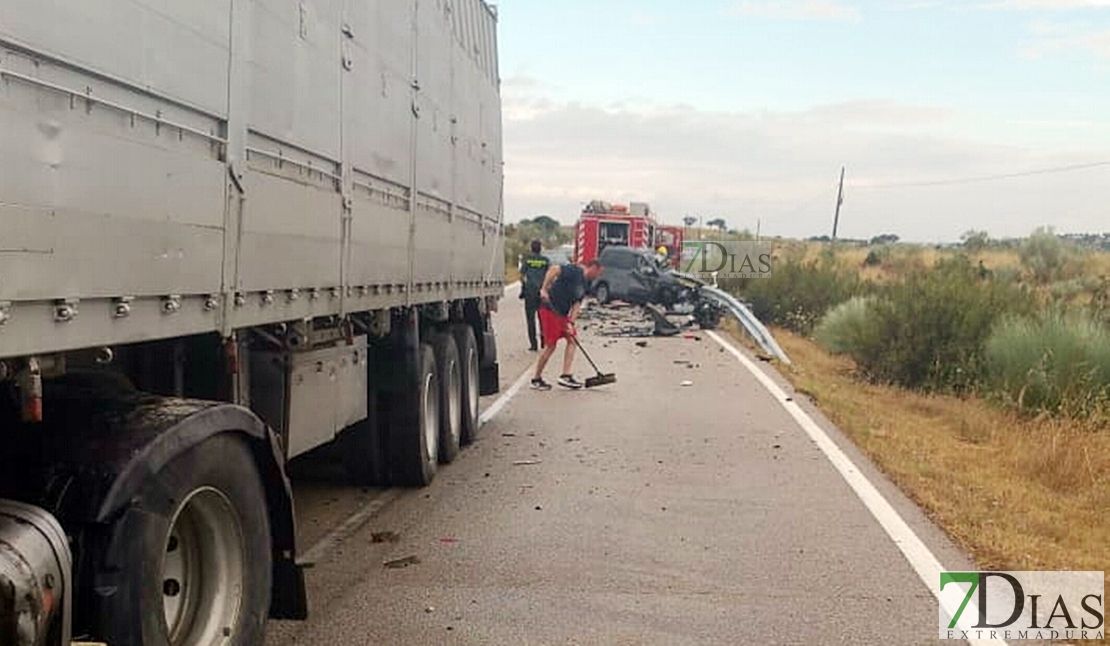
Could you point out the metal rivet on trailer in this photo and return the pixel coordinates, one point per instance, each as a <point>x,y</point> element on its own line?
<point>240,299</point>
<point>211,302</point>
<point>65,310</point>
<point>268,297</point>
<point>314,294</point>
<point>294,294</point>
<point>171,304</point>
<point>121,307</point>
<point>5,311</point>
<point>335,292</point>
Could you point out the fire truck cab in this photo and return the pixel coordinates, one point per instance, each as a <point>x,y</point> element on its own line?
<point>602,224</point>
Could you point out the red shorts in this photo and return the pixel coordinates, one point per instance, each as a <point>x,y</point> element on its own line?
<point>552,326</point>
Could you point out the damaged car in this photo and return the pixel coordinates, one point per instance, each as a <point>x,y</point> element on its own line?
<point>636,276</point>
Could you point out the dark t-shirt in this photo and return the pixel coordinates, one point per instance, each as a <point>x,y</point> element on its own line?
<point>569,288</point>
<point>533,269</point>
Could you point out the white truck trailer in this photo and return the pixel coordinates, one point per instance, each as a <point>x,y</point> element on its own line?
<point>231,232</point>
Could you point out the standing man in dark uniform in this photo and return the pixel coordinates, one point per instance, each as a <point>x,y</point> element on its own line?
<point>533,269</point>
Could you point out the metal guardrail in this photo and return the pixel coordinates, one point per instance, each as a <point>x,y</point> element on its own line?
<point>752,324</point>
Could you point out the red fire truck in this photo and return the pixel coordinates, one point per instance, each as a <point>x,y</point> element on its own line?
<point>602,224</point>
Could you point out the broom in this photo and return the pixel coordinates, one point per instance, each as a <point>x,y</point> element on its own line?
<point>601,378</point>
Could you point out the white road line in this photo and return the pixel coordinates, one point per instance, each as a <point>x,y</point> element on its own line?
<point>325,545</point>
<point>321,548</point>
<point>500,402</point>
<point>922,560</point>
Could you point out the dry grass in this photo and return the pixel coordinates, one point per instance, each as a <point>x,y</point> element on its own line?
<point>1016,494</point>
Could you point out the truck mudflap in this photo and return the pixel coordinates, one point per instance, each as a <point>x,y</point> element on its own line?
<point>102,450</point>
<point>35,577</point>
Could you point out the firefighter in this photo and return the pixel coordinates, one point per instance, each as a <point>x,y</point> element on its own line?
<point>533,269</point>
<point>662,256</point>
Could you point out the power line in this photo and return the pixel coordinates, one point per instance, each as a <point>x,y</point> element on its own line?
<point>988,178</point>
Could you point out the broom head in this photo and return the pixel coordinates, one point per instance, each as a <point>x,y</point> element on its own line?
<point>601,380</point>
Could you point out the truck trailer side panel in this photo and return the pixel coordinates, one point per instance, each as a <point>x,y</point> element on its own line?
<point>168,171</point>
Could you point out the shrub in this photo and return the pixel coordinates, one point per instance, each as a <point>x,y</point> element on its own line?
<point>1045,256</point>
<point>929,330</point>
<point>849,327</point>
<point>1054,362</point>
<point>798,292</point>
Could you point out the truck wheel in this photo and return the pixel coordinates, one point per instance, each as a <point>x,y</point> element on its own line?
<point>603,293</point>
<point>196,558</point>
<point>450,395</point>
<point>414,425</point>
<point>469,361</point>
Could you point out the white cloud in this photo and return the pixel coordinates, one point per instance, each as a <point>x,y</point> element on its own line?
<point>795,9</point>
<point>783,167</point>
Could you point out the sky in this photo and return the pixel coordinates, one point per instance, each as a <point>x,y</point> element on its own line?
<point>945,116</point>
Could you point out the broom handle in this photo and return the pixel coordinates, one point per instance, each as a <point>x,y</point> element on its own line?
<point>585,354</point>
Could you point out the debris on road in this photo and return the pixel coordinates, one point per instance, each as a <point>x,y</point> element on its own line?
<point>448,539</point>
<point>642,344</point>
<point>687,383</point>
<point>525,463</point>
<point>384,537</point>
<point>402,562</point>
<point>626,321</point>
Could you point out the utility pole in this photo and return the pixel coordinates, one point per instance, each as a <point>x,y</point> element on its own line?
<point>758,222</point>
<point>839,201</point>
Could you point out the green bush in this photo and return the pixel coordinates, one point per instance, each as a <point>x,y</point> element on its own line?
<point>1045,256</point>
<point>849,327</point>
<point>798,293</point>
<point>1053,362</point>
<point>929,330</point>
<point>519,236</point>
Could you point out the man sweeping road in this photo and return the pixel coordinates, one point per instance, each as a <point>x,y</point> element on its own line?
<point>562,292</point>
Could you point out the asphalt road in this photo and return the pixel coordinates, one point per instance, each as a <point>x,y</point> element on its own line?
<point>644,512</point>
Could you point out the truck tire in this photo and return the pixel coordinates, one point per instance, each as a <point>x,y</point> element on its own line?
<point>469,362</point>
<point>195,560</point>
<point>413,436</point>
<point>450,395</point>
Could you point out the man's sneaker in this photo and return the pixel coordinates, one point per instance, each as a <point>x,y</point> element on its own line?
<point>569,381</point>
<point>540,384</point>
